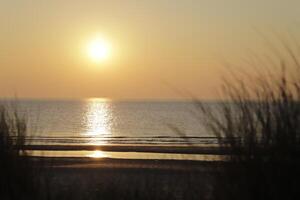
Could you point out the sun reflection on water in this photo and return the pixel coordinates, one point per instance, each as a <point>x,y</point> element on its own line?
<point>98,119</point>
<point>97,154</point>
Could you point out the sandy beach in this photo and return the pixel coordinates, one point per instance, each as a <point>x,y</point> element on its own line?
<point>127,178</point>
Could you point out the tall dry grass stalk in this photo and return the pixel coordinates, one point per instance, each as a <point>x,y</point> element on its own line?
<point>17,177</point>
<point>259,125</point>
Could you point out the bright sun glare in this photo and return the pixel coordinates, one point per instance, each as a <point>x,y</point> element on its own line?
<point>97,154</point>
<point>98,49</point>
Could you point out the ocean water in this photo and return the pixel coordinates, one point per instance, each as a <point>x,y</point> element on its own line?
<point>101,121</point>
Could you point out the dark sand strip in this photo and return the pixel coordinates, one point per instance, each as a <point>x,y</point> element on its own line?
<point>185,149</point>
<point>126,164</point>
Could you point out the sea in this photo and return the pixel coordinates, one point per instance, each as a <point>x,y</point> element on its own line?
<point>98,121</point>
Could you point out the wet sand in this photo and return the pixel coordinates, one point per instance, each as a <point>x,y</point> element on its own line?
<point>127,164</point>
<point>186,149</point>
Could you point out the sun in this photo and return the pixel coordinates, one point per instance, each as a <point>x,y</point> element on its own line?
<point>98,49</point>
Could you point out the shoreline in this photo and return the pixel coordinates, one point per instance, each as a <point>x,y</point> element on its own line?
<point>170,149</point>
<point>115,163</point>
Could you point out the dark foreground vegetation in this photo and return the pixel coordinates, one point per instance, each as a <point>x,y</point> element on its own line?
<point>16,175</point>
<point>259,125</point>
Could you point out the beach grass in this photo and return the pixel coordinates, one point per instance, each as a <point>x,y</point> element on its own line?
<point>16,173</point>
<point>259,124</point>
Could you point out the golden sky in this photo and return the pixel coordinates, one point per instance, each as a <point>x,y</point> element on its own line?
<point>155,45</point>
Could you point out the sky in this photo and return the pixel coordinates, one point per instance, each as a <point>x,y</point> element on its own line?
<point>158,48</point>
